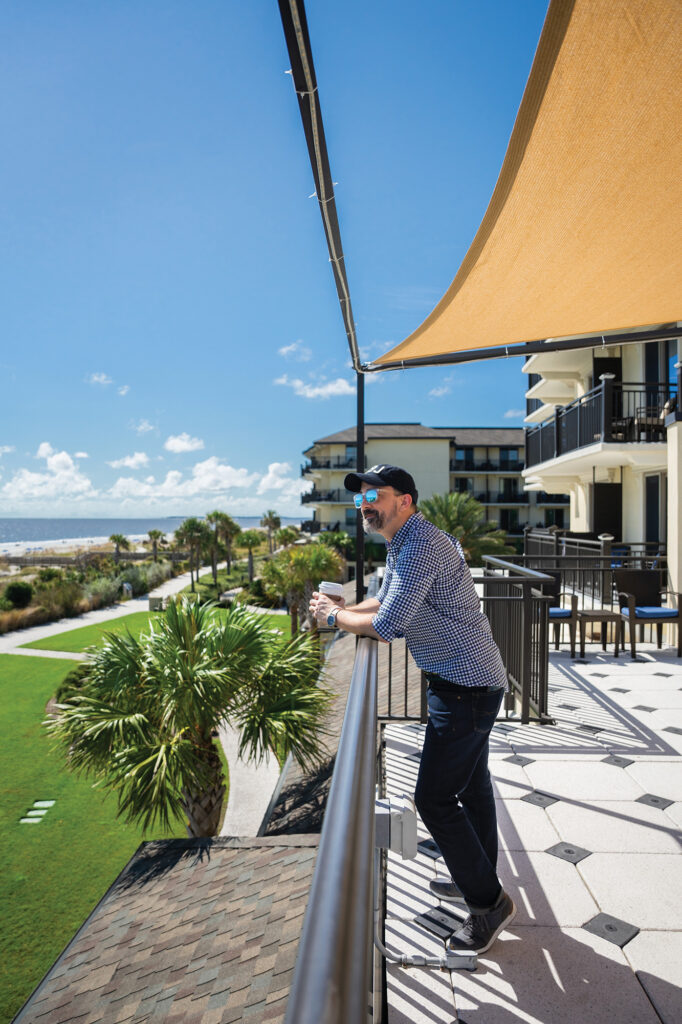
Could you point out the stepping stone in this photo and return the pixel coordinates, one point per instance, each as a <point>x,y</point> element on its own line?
<point>612,929</point>
<point>518,759</point>
<point>540,799</point>
<point>430,848</point>
<point>569,851</point>
<point>619,762</point>
<point>43,803</point>
<point>654,801</point>
<point>439,921</point>
<point>29,821</point>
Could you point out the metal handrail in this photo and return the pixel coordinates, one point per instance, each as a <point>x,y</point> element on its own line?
<point>332,979</point>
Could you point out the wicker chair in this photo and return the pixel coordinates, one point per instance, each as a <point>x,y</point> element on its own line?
<point>640,599</point>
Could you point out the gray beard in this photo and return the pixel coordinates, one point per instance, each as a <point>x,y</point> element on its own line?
<point>374,524</point>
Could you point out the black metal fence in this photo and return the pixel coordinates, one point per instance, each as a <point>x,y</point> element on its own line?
<point>610,412</point>
<point>517,610</point>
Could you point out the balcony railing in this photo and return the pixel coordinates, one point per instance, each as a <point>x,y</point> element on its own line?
<point>486,466</point>
<point>330,462</point>
<point>609,413</point>
<point>502,498</point>
<point>338,497</point>
<point>543,498</point>
<point>334,980</point>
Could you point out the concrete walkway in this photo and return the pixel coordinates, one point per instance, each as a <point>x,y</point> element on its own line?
<point>589,814</point>
<point>251,786</point>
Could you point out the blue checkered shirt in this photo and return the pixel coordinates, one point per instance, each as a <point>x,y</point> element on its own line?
<point>428,597</point>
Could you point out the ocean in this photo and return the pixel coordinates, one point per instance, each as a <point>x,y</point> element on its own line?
<point>34,534</point>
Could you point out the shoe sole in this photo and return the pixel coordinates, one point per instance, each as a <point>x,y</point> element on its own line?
<point>500,928</point>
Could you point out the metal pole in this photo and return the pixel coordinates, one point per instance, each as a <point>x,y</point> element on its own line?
<point>359,532</point>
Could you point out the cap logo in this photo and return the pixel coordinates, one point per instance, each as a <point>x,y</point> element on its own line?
<point>377,469</point>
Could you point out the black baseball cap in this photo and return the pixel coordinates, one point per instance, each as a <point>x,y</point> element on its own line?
<point>383,476</point>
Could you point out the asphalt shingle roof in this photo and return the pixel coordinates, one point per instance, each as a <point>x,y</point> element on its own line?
<point>461,435</point>
<point>191,932</point>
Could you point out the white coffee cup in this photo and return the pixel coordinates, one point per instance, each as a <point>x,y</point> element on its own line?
<point>333,590</point>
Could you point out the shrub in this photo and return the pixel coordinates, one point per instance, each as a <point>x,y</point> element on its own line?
<point>157,573</point>
<point>22,618</point>
<point>103,591</point>
<point>49,573</point>
<point>61,598</point>
<point>19,592</point>
<point>136,577</point>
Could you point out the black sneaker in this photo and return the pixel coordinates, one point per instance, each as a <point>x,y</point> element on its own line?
<point>445,889</point>
<point>479,931</point>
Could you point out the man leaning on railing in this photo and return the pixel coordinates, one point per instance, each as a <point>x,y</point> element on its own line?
<point>428,597</point>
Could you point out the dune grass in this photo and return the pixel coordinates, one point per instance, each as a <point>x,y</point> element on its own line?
<point>54,872</point>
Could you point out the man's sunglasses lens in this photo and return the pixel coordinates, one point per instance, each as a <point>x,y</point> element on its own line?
<point>368,496</point>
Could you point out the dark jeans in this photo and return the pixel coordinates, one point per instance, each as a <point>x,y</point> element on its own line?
<point>454,794</point>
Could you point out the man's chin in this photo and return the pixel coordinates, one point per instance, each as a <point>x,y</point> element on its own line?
<point>372,524</point>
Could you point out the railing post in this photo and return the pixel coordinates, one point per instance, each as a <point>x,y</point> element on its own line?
<point>526,538</point>
<point>423,711</point>
<point>526,649</point>
<point>360,455</point>
<point>557,432</point>
<point>607,380</point>
<point>605,540</point>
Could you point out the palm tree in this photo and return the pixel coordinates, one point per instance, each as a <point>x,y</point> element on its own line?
<point>250,539</point>
<point>194,533</point>
<point>286,536</point>
<point>120,543</point>
<point>271,521</point>
<point>464,518</point>
<point>229,531</point>
<point>155,536</point>
<point>142,722</point>
<point>294,573</point>
<point>216,520</point>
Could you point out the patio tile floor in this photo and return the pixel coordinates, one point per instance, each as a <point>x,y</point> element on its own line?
<point>546,966</point>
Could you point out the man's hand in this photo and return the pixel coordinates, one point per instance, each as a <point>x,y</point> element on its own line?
<point>321,605</point>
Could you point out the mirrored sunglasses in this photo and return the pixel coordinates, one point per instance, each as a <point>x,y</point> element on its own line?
<point>368,496</point>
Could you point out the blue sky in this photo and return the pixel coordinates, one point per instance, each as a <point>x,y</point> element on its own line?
<point>171,335</point>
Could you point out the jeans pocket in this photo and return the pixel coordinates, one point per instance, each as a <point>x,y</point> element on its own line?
<point>485,708</point>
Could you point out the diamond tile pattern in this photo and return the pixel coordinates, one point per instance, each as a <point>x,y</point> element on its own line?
<point>192,930</point>
<point>612,929</point>
<point>540,799</point>
<point>569,851</point>
<point>654,801</point>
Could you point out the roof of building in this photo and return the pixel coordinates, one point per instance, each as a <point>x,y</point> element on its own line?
<point>192,930</point>
<point>415,431</point>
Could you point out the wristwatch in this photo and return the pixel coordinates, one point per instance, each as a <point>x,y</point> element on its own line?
<point>331,618</point>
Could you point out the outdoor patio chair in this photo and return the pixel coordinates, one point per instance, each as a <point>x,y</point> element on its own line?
<point>558,615</point>
<point>640,598</point>
<point>648,422</point>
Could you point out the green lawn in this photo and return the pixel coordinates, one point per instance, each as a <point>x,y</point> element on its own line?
<point>75,641</point>
<point>54,872</point>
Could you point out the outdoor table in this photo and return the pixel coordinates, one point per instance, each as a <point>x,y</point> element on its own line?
<point>603,615</point>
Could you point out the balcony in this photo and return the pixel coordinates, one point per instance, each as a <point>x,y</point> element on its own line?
<point>329,462</point>
<point>502,498</point>
<point>486,466</point>
<point>337,497</point>
<point>609,414</point>
<point>543,498</point>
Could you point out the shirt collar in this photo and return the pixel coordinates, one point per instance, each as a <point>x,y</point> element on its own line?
<point>404,532</point>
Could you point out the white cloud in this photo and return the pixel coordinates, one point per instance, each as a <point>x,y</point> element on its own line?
<point>81,455</point>
<point>135,461</point>
<point>183,443</point>
<point>276,477</point>
<point>100,378</point>
<point>143,427</point>
<point>326,389</point>
<point>297,350</point>
<point>207,478</point>
<point>440,391</point>
<point>124,389</point>
<point>62,479</point>
<point>5,448</point>
<point>514,414</point>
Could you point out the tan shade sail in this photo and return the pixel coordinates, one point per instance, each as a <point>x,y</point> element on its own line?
<point>583,233</point>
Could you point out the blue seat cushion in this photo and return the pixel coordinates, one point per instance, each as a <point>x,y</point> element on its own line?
<point>559,613</point>
<point>653,611</point>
